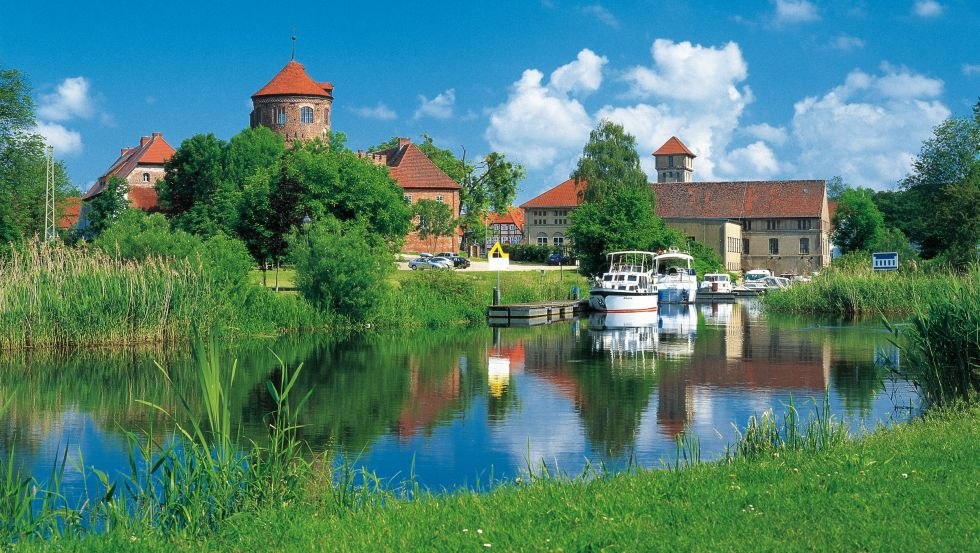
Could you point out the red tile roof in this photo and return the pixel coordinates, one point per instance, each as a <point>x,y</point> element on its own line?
<point>411,168</point>
<point>744,199</point>
<point>73,206</point>
<point>566,194</point>
<point>514,216</point>
<point>153,150</point>
<point>293,80</point>
<point>673,147</point>
<point>143,197</point>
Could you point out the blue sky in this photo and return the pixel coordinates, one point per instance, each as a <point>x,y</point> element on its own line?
<point>764,89</point>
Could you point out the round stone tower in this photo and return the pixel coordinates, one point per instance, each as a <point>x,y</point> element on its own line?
<point>293,105</point>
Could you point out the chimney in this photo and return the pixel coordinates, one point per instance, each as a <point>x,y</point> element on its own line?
<point>404,142</point>
<point>144,140</point>
<point>157,135</point>
<point>123,151</point>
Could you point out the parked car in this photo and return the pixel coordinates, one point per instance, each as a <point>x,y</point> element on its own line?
<point>425,254</point>
<point>448,255</point>
<point>460,262</point>
<point>442,261</point>
<point>423,263</point>
<point>558,258</point>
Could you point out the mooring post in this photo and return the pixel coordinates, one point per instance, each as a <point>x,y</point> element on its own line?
<point>496,296</point>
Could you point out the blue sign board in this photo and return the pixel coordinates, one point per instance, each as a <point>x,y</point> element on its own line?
<point>886,261</point>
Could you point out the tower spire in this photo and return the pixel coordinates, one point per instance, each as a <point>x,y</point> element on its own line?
<point>292,56</point>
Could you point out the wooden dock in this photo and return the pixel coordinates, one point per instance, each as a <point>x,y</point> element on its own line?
<point>533,314</point>
<point>715,297</point>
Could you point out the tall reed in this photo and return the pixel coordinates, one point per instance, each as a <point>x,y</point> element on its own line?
<point>766,436</point>
<point>56,296</point>
<point>941,347</point>
<point>860,292</point>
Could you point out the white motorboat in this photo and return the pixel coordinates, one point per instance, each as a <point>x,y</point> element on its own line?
<point>677,281</point>
<point>630,284</point>
<point>716,283</point>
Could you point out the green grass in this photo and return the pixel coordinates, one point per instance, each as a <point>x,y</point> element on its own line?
<point>912,487</point>
<point>862,292</point>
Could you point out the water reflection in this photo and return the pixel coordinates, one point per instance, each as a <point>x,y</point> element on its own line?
<point>460,406</point>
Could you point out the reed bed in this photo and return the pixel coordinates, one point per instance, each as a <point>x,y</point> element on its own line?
<point>861,293</point>
<point>941,347</point>
<point>61,297</point>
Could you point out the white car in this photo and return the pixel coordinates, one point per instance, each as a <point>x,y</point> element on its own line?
<point>442,261</point>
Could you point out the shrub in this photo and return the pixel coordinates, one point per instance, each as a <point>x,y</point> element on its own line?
<point>342,267</point>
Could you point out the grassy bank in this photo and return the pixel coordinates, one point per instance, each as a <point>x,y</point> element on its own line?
<point>913,487</point>
<point>55,296</point>
<point>865,292</point>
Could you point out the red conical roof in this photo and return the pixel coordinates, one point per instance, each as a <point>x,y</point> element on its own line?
<point>293,80</point>
<point>673,147</point>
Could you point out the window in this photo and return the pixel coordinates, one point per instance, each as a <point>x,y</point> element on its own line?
<point>306,115</point>
<point>773,246</point>
<point>804,246</point>
<point>804,224</point>
<point>542,239</point>
<point>279,115</point>
<point>772,224</point>
<point>748,224</point>
<point>558,239</point>
<point>670,161</point>
<point>146,177</point>
<point>745,246</point>
<point>408,198</point>
<point>440,198</point>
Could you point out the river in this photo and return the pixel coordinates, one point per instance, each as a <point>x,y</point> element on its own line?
<point>474,407</point>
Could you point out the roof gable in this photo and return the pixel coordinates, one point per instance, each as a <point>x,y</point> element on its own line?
<point>513,216</point>
<point>566,194</point>
<point>153,150</point>
<point>673,146</point>
<point>293,80</point>
<point>741,199</point>
<point>411,168</point>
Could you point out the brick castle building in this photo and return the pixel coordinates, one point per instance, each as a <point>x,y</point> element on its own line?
<point>293,105</point>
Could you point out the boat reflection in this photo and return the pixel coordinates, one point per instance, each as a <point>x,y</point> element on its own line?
<point>678,329</point>
<point>625,335</point>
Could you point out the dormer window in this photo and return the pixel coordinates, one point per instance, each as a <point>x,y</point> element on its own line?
<point>146,177</point>
<point>306,115</point>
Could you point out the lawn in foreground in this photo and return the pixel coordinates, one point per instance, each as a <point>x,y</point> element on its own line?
<point>914,487</point>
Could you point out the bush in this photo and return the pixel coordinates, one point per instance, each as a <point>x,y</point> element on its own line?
<point>342,267</point>
<point>137,235</point>
<point>528,252</point>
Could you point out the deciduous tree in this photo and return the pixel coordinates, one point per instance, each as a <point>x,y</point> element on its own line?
<point>103,209</point>
<point>857,221</point>
<point>433,220</point>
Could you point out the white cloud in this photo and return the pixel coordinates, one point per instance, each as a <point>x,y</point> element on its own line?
<point>971,69</point>
<point>753,162</point>
<point>869,128</point>
<point>69,101</point>
<point>699,100</point>
<point>765,131</point>
<point>795,11</point>
<point>541,124</point>
<point>440,107</point>
<point>602,14</point>
<point>380,111</point>
<point>846,43</point>
<point>582,75</point>
<point>689,72</point>
<point>927,8</point>
<point>64,141</point>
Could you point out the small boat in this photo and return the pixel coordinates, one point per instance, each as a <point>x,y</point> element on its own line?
<point>676,278</point>
<point>757,274</point>
<point>716,283</point>
<point>630,284</point>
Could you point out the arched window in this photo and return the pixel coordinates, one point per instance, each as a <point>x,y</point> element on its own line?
<point>559,239</point>
<point>542,239</point>
<point>279,115</point>
<point>146,177</point>
<point>306,115</point>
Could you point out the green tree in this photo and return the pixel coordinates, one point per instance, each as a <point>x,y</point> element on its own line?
<point>943,184</point>
<point>433,220</point>
<point>342,266</point>
<point>609,162</point>
<point>103,209</point>
<point>23,163</point>
<point>618,211</point>
<point>193,193</point>
<point>857,221</point>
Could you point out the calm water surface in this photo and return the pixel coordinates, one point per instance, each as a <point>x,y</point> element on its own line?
<point>469,407</point>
